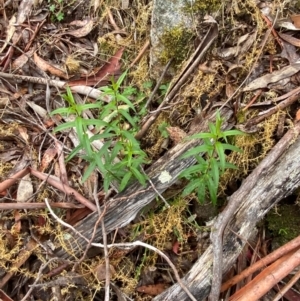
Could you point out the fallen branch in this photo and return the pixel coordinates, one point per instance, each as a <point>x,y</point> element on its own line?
<point>277,176</point>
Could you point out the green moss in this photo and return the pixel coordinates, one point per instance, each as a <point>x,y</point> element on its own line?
<point>176,43</point>
<point>203,6</point>
<point>285,223</point>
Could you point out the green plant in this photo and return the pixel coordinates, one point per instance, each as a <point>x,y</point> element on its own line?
<point>120,157</point>
<point>163,129</point>
<point>204,175</point>
<point>57,7</point>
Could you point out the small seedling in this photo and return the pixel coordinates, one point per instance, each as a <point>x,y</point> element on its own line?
<point>211,162</point>
<point>120,157</point>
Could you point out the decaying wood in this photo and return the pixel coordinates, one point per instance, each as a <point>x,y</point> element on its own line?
<point>124,207</point>
<point>276,177</point>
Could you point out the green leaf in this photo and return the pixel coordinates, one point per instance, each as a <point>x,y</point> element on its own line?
<point>87,145</point>
<point>230,165</point>
<point>65,126</point>
<point>62,111</point>
<point>221,154</point>
<point>74,152</point>
<point>232,133</point>
<point>95,122</point>
<point>100,164</point>
<point>212,190</point>
<point>121,79</point>
<point>88,171</point>
<point>214,171</point>
<point>139,176</point>
<point>201,191</point>
<point>127,117</point>
<point>125,180</point>
<point>116,149</point>
<point>106,181</point>
<point>79,128</point>
<point>196,150</point>
<point>190,187</point>
<point>231,147</point>
<point>70,96</point>
<point>87,106</point>
<point>202,136</point>
<point>190,171</point>
<point>213,129</point>
<point>102,136</point>
<point>126,101</point>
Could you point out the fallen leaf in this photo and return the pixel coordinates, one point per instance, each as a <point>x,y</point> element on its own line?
<point>265,80</point>
<point>38,109</point>
<point>112,67</point>
<point>22,60</point>
<point>296,20</point>
<point>10,31</point>
<point>45,66</point>
<point>83,31</point>
<point>101,271</point>
<point>24,134</point>
<point>175,247</point>
<point>25,189</point>
<point>298,115</point>
<point>153,289</point>
<point>48,157</point>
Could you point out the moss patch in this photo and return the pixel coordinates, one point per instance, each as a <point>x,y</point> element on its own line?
<point>176,43</point>
<point>284,223</point>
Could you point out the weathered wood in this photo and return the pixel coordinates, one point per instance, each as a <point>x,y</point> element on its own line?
<point>276,177</point>
<point>124,207</point>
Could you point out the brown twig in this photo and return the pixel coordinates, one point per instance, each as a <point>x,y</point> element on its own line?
<point>23,205</point>
<point>64,188</point>
<point>266,114</point>
<point>283,290</point>
<point>269,277</point>
<point>13,179</point>
<point>263,262</point>
<point>140,54</point>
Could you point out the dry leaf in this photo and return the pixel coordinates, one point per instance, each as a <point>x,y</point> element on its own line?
<point>83,31</point>
<point>10,31</point>
<point>20,61</point>
<point>24,134</point>
<point>38,109</point>
<point>298,115</point>
<point>176,134</point>
<point>153,289</point>
<point>100,271</point>
<point>45,66</point>
<point>265,80</point>
<point>296,20</point>
<point>112,67</point>
<point>25,189</point>
<point>48,157</point>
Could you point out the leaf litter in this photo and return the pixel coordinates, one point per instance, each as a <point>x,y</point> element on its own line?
<point>84,51</point>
